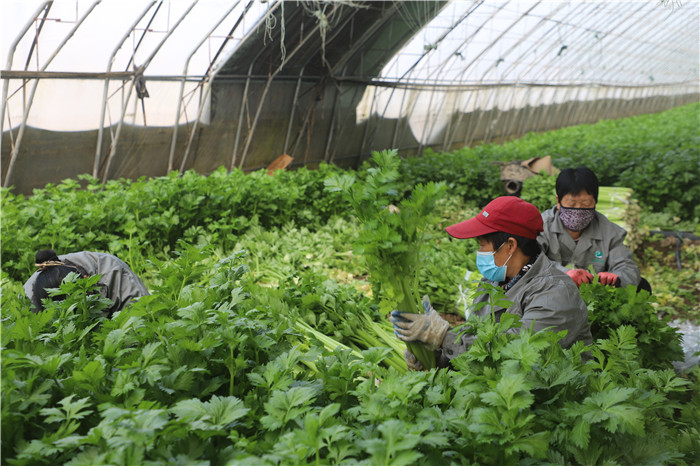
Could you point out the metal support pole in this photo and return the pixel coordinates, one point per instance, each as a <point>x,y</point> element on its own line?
<point>310,109</point>
<point>640,100</point>
<point>653,31</point>
<point>399,118</point>
<point>530,119</point>
<point>347,123</point>
<point>657,106</point>
<point>510,113</point>
<point>448,129</point>
<point>508,110</point>
<point>291,113</point>
<point>100,131</point>
<point>113,147</point>
<point>342,61</point>
<point>574,43</point>
<point>244,102</point>
<point>475,5</point>
<point>299,46</point>
<point>364,136</point>
<point>582,111</point>
<point>599,104</point>
<point>334,115</point>
<point>631,101</point>
<point>484,115</point>
<point>451,134</point>
<point>10,56</point>
<point>490,120</point>
<point>608,104</point>
<point>440,39</point>
<point>572,103</point>
<point>421,143</point>
<point>561,107</point>
<point>570,61</point>
<point>531,113</point>
<point>624,106</point>
<point>642,104</point>
<point>627,98</point>
<point>440,69</point>
<point>467,135</point>
<point>205,95</point>
<point>18,142</point>
<point>540,117</point>
<point>573,13</point>
<point>521,127</point>
<point>553,116</point>
<point>173,143</point>
<point>645,103</point>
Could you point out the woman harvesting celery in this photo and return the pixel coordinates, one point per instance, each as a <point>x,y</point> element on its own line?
<point>508,257</point>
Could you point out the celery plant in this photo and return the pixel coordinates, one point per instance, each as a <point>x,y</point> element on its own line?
<point>393,230</point>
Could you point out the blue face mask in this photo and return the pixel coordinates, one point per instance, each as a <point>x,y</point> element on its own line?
<point>486,263</point>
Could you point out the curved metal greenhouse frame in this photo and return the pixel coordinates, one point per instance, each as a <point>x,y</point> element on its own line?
<point>125,92</point>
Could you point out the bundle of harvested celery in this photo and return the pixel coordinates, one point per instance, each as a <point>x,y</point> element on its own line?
<point>393,230</point>
<point>614,202</point>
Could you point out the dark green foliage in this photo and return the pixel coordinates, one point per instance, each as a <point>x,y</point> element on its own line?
<point>610,308</point>
<point>469,173</point>
<point>540,191</point>
<point>211,368</point>
<point>174,369</point>
<point>220,365</point>
<point>667,181</point>
<point>657,155</point>
<point>128,218</point>
<point>690,415</point>
<point>542,402</point>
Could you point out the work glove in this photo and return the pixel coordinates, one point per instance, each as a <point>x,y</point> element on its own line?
<point>580,276</point>
<point>427,328</point>
<point>412,361</point>
<point>608,278</point>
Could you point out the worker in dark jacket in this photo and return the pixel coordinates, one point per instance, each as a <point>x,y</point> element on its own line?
<point>117,282</point>
<point>508,256</point>
<point>577,237</point>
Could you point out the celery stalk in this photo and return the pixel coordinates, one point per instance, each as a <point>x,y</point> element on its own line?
<point>393,231</point>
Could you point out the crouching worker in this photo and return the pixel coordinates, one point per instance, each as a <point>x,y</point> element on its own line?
<point>576,236</point>
<point>118,282</point>
<point>510,257</point>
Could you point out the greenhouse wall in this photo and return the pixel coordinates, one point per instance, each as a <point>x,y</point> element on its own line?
<point>51,156</point>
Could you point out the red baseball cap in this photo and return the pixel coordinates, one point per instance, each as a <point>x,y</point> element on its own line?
<point>508,214</point>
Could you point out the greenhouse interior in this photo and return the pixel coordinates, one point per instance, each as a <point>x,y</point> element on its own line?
<point>291,232</point>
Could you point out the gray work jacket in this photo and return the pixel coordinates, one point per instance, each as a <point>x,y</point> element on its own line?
<point>545,297</point>
<point>118,282</point>
<point>600,245</point>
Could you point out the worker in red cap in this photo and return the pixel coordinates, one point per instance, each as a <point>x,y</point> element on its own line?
<point>508,256</point>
